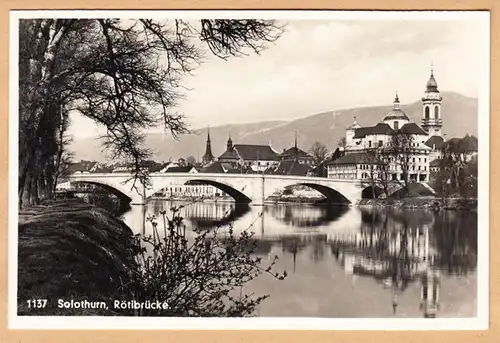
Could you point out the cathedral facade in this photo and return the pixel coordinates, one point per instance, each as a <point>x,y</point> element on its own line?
<point>395,146</point>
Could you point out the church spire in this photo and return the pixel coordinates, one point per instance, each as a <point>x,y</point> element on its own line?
<point>208,157</point>
<point>295,145</point>
<point>229,145</point>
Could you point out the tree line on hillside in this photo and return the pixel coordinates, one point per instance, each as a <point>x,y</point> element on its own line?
<point>126,75</point>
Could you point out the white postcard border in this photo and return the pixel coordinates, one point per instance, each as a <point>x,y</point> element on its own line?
<point>259,323</point>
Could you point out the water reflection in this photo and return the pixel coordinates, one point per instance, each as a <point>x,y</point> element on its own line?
<point>349,261</point>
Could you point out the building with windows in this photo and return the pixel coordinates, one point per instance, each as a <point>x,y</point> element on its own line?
<point>175,189</point>
<point>292,161</point>
<point>257,158</point>
<point>296,154</point>
<point>395,147</point>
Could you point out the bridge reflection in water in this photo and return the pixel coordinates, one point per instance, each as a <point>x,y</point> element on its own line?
<point>349,261</point>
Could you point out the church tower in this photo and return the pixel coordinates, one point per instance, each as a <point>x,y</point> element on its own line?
<point>229,144</point>
<point>208,157</point>
<point>432,121</point>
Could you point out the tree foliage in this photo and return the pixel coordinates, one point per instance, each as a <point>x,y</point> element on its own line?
<point>125,75</point>
<point>402,151</point>
<point>342,143</point>
<point>457,173</point>
<point>379,177</point>
<point>319,152</point>
<point>384,161</point>
<point>200,276</point>
<point>190,160</point>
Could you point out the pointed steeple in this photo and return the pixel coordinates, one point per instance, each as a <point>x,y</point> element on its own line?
<point>295,145</point>
<point>229,145</point>
<point>208,157</point>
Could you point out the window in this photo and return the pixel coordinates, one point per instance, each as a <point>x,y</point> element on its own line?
<point>427,112</point>
<point>419,159</point>
<point>369,144</point>
<point>380,143</point>
<point>425,160</point>
<point>436,112</point>
<point>396,125</point>
<point>413,159</point>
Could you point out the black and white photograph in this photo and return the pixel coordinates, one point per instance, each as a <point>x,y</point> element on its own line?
<point>249,169</point>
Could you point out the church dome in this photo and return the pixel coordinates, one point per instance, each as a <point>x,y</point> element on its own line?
<point>432,85</point>
<point>396,113</point>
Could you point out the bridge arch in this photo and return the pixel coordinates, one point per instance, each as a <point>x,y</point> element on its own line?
<point>107,187</point>
<point>331,194</point>
<point>238,196</point>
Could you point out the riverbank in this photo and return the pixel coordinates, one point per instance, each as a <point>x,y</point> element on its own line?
<point>293,200</point>
<point>197,199</point>
<point>71,251</point>
<point>464,204</point>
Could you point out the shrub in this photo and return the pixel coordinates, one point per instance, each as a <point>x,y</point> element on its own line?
<point>201,274</point>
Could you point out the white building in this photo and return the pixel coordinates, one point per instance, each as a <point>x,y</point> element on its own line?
<point>372,150</point>
<point>176,189</point>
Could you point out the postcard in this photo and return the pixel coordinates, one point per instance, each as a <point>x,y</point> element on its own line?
<point>262,170</point>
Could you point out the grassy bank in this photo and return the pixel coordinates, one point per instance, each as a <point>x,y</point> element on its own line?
<point>72,251</point>
<point>430,202</point>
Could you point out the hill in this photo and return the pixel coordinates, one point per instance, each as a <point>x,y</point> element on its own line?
<point>459,112</point>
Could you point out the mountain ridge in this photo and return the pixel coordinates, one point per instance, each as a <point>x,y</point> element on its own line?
<point>327,127</point>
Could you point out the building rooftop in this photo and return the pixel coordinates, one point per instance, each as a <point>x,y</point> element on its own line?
<point>290,167</point>
<point>435,142</point>
<point>82,166</point>
<point>294,152</point>
<point>353,158</point>
<point>379,129</point>
<point>185,169</point>
<point>412,129</point>
<point>214,167</point>
<point>250,152</point>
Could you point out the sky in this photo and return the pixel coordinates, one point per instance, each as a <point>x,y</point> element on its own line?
<point>325,65</point>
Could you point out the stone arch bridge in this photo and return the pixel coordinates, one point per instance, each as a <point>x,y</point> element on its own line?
<point>244,188</point>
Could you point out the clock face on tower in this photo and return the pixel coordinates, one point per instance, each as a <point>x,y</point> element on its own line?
<point>432,96</point>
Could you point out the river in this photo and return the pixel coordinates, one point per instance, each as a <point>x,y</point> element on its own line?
<point>349,262</point>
